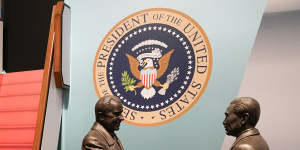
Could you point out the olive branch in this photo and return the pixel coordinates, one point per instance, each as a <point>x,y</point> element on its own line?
<point>127,82</point>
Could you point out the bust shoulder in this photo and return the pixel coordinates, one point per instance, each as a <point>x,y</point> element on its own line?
<point>244,147</point>
<point>94,139</point>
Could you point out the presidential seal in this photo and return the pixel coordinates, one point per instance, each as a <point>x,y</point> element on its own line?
<point>157,61</point>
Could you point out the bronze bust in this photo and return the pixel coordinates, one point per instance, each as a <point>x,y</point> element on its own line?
<point>108,112</point>
<point>241,117</point>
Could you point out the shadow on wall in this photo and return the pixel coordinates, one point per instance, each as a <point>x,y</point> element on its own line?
<point>272,77</point>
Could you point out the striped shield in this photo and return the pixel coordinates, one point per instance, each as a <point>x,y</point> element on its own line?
<point>148,76</point>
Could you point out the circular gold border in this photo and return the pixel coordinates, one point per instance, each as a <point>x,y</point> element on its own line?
<point>204,84</point>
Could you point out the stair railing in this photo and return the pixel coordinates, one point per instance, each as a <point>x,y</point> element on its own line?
<point>53,58</point>
<point>57,45</point>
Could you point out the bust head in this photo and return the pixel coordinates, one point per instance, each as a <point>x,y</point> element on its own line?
<point>242,113</point>
<point>108,112</point>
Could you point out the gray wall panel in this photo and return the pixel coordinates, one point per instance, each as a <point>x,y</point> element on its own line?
<point>272,77</point>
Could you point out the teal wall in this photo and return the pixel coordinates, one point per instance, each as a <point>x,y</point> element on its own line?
<point>231,27</point>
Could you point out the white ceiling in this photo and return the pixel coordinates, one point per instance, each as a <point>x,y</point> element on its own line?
<point>282,5</point>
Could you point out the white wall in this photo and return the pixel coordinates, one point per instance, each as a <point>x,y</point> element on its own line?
<point>66,39</point>
<point>272,77</point>
<point>231,27</point>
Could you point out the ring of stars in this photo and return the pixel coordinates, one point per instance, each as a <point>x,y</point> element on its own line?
<point>140,31</point>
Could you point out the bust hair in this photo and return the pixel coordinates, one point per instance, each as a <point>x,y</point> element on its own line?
<point>242,105</point>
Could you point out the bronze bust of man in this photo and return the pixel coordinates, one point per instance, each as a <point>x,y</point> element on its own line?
<point>241,117</point>
<point>108,112</point>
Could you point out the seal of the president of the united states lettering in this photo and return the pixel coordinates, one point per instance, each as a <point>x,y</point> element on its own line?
<point>157,61</point>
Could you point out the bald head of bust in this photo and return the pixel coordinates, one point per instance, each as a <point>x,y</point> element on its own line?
<point>108,112</point>
<point>243,113</point>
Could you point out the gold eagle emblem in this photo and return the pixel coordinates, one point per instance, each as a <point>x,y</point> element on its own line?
<point>144,71</point>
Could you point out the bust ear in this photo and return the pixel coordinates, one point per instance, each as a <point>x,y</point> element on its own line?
<point>100,116</point>
<point>245,118</point>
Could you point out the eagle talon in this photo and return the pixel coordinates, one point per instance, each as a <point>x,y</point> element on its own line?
<point>132,88</point>
<point>165,86</point>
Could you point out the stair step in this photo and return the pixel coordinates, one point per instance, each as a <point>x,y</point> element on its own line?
<point>16,146</point>
<point>18,118</point>
<point>20,89</point>
<point>15,136</point>
<point>22,77</point>
<point>17,126</point>
<point>19,103</point>
<point>19,100</point>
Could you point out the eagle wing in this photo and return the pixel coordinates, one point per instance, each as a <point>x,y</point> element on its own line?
<point>164,63</point>
<point>134,64</point>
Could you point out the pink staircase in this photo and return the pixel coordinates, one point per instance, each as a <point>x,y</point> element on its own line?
<point>19,100</point>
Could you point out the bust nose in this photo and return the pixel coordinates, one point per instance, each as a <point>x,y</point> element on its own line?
<point>225,122</point>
